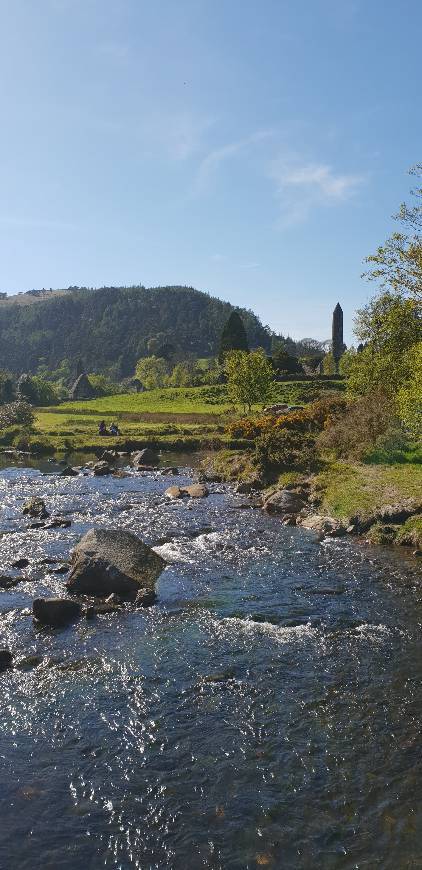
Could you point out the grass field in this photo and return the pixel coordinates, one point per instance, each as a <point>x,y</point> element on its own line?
<point>196,414</point>
<point>356,489</point>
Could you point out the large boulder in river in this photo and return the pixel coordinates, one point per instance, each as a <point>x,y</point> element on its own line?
<point>113,560</point>
<point>283,501</point>
<point>145,457</point>
<point>55,611</point>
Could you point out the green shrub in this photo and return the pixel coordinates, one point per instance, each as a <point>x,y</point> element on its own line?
<point>280,449</point>
<point>354,433</point>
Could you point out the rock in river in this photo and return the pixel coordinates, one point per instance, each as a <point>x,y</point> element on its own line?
<point>6,659</point>
<point>101,468</point>
<point>107,560</point>
<point>144,457</point>
<point>196,490</point>
<point>284,501</point>
<point>55,611</point>
<point>35,508</point>
<point>68,471</point>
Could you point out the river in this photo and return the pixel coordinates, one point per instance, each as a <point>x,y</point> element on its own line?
<point>265,713</point>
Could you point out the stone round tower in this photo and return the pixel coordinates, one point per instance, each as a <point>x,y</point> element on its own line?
<point>337,346</point>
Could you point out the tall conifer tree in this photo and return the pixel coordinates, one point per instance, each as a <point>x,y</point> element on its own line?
<point>233,336</point>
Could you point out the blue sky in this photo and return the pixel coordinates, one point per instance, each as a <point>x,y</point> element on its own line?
<point>255,149</point>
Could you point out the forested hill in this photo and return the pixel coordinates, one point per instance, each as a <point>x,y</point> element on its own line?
<point>110,328</point>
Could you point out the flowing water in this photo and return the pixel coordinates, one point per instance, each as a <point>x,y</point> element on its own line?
<point>266,712</point>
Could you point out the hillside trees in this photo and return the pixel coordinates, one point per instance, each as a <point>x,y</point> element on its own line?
<point>110,328</point>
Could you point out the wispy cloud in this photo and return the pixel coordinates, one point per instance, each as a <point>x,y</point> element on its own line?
<point>302,187</point>
<point>212,162</point>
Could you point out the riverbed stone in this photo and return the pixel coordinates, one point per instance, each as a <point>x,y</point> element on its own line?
<point>35,508</point>
<point>174,492</point>
<point>55,611</point>
<point>113,560</point>
<point>7,582</point>
<point>145,598</point>
<point>196,490</point>
<point>146,457</point>
<point>284,501</point>
<point>6,659</point>
<point>20,563</point>
<point>324,525</point>
<point>68,471</point>
<point>101,468</point>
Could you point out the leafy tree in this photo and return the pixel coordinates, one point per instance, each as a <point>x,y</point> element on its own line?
<point>233,336</point>
<point>152,372</point>
<point>398,263</point>
<point>249,377</point>
<point>17,413</point>
<point>346,361</point>
<point>183,375</point>
<point>311,362</point>
<point>284,362</point>
<point>409,397</point>
<point>329,365</point>
<point>389,326</point>
<point>37,391</point>
<point>7,387</point>
<point>103,386</point>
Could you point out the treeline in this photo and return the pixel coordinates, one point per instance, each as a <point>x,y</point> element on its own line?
<point>112,327</point>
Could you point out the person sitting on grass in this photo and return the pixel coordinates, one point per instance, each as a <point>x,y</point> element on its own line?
<point>102,428</point>
<point>114,429</point>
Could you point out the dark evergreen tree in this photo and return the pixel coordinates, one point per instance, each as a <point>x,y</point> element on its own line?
<point>233,336</point>
<point>284,362</point>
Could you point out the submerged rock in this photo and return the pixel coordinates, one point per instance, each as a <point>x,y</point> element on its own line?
<point>55,611</point>
<point>6,659</point>
<point>20,563</point>
<point>113,560</point>
<point>58,522</point>
<point>7,582</point>
<point>36,509</point>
